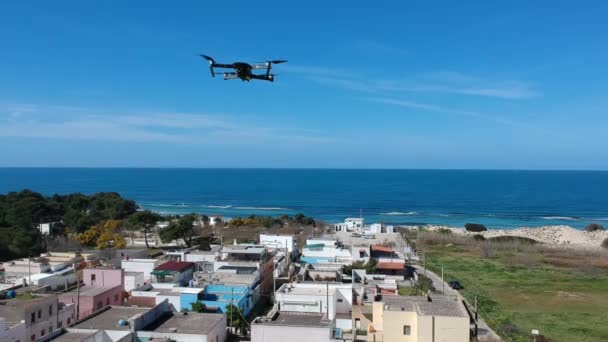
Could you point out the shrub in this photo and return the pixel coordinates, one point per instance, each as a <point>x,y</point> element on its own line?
<point>592,227</point>
<point>605,243</point>
<point>444,231</point>
<point>479,237</point>
<point>475,227</point>
<point>513,239</point>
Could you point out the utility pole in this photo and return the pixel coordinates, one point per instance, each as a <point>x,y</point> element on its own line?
<point>231,306</point>
<point>424,260</point>
<point>442,282</point>
<point>327,298</point>
<point>29,271</point>
<point>77,298</point>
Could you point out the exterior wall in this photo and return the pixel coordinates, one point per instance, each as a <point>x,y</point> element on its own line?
<point>140,265</point>
<point>103,277</point>
<point>14,333</point>
<point>89,304</point>
<point>57,282</point>
<point>389,326</point>
<point>278,241</point>
<point>47,316</point>
<point>221,296</point>
<point>393,326</point>
<point>273,333</point>
<point>133,281</point>
<point>150,316</point>
<point>317,303</point>
<point>448,329</point>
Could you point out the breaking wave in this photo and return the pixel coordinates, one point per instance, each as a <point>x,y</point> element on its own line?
<point>399,213</point>
<point>561,218</point>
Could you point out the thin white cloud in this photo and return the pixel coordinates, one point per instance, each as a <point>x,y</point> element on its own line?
<point>432,82</point>
<point>439,109</point>
<point>185,128</point>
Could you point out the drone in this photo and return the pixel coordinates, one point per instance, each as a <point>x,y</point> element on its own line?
<point>244,70</point>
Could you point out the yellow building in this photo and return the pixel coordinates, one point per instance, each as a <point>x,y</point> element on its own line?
<point>419,319</point>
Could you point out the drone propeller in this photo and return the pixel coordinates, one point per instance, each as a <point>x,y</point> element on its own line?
<point>211,64</point>
<point>208,58</point>
<point>277,61</point>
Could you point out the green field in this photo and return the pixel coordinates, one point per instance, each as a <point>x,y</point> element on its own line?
<point>566,303</point>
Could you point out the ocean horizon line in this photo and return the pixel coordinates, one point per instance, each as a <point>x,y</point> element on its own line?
<point>291,168</point>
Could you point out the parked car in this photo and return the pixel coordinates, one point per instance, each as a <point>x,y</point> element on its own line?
<point>455,284</point>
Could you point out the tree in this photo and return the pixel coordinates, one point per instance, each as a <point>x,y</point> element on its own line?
<point>103,235</point>
<point>198,306</point>
<point>235,317</point>
<point>183,229</point>
<point>605,243</point>
<point>143,220</point>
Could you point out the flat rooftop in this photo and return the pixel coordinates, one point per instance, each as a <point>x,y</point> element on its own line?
<point>108,319</point>
<point>244,249</point>
<point>192,323</point>
<point>297,319</point>
<point>439,306</point>
<point>71,336</point>
<point>88,291</point>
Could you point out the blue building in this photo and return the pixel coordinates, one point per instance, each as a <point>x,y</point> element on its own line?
<point>220,296</point>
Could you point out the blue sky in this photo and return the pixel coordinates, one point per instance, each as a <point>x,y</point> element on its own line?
<point>402,84</point>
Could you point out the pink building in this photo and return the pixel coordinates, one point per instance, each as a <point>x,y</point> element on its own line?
<point>103,277</point>
<point>102,287</point>
<point>91,299</point>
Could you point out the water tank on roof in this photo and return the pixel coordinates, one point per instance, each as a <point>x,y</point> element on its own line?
<point>11,294</point>
<point>123,323</point>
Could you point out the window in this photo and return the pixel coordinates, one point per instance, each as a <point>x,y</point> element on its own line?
<point>39,314</point>
<point>357,323</point>
<point>33,317</point>
<point>407,330</point>
<point>340,300</point>
<point>92,279</point>
<point>69,321</point>
<point>33,337</point>
<point>60,324</point>
<point>99,305</point>
<point>42,333</point>
<point>115,298</point>
<point>50,310</point>
<point>108,301</point>
<point>50,328</point>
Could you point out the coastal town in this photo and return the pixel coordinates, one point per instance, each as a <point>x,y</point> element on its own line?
<point>341,286</point>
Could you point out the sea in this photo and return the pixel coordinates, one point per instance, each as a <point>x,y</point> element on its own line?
<point>498,199</point>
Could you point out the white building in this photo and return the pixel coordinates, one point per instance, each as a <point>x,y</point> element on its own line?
<point>351,224</point>
<point>45,228</point>
<point>325,251</point>
<point>328,298</point>
<point>281,242</point>
<point>146,266</point>
<point>12,331</point>
<point>293,327</point>
<point>379,228</point>
<point>133,280</point>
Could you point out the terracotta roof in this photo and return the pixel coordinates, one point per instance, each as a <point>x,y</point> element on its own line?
<point>379,248</point>
<point>390,266</point>
<point>176,266</point>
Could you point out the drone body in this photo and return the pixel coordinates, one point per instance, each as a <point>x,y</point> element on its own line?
<point>243,70</point>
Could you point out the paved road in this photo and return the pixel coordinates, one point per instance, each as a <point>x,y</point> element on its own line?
<point>484,331</point>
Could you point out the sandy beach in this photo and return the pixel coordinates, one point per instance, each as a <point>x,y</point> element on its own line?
<point>555,235</point>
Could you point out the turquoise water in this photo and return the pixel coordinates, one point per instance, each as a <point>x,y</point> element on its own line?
<point>498,199</point>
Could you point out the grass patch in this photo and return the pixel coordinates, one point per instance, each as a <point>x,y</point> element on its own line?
<point>518,291</point>
<point>408,291</point>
